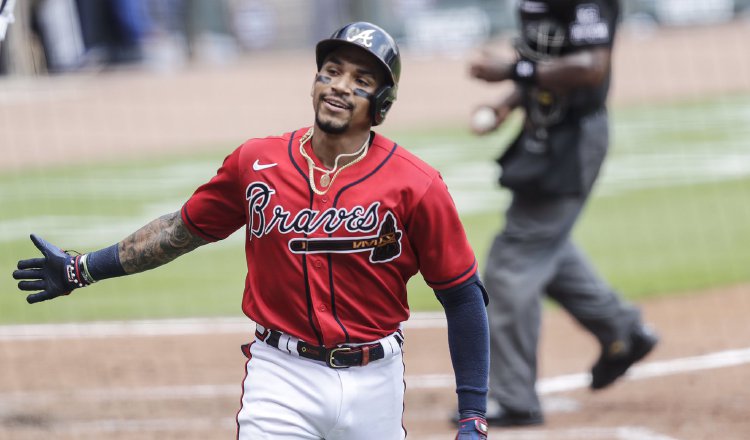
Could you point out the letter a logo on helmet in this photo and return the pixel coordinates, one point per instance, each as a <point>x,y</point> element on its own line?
<point>364,38</point>
<point>382,46</point>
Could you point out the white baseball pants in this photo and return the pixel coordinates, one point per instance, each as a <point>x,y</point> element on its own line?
<point>289,397</point>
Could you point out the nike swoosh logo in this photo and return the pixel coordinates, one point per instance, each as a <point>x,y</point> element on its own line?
<point>257,166</point>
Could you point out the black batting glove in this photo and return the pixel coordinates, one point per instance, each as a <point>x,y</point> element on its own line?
<point>58,273</point>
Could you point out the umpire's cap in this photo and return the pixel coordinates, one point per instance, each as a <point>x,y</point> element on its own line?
<point>378,42</point>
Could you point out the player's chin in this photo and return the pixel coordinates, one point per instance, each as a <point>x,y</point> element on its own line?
<point>332,125</point>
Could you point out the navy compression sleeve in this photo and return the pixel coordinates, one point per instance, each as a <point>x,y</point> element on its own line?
<point>468,341</point>
<point>104,263</point>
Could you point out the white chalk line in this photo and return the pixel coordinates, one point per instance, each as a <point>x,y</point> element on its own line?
<point>545,386</point>
<point>423,320</point>
<point>165,327</point>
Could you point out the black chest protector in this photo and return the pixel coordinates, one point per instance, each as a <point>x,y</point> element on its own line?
<point>553,28</point>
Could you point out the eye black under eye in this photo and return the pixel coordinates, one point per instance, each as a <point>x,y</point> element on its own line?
<point>363,93</point>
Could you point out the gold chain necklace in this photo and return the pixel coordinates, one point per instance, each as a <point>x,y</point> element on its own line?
<point>326,180</point>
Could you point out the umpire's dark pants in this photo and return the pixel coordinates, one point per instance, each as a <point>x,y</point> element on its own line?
<point>534,255</point>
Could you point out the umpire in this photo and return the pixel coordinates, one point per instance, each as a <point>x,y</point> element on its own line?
<point>561,76</point>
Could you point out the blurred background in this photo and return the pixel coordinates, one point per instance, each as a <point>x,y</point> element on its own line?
<point>58,36</point>
<point>113,111</point>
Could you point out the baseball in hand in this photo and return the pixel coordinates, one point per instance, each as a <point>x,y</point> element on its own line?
<point>483,120</point>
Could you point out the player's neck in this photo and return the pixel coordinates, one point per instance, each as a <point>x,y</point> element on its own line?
<point>327,147</point>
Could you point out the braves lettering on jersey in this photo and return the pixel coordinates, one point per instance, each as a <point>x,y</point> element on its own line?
<point>333,268</point>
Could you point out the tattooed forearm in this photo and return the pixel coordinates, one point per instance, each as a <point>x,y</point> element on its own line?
<point>157,243</point>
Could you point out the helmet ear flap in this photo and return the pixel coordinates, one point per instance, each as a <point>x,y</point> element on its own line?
<point>381,102</point>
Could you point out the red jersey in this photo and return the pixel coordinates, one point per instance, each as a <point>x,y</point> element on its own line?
<point>333,268</point>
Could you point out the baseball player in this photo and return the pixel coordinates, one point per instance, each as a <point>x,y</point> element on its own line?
<point>561,80</point>
<point>337,219</point>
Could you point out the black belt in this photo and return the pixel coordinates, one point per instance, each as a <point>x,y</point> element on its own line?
<point>336,357</point>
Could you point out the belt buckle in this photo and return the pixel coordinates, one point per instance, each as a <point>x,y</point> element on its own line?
<point>332,352</point>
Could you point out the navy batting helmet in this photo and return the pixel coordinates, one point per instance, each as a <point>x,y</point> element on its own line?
<point>375,40</point>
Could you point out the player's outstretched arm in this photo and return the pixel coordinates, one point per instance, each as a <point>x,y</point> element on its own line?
<point>58,272</point>
<point>157,243</point>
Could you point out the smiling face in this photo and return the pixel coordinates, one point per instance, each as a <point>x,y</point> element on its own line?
<point>342,87</point>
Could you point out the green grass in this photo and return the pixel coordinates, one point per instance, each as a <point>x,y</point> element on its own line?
<point>671,239</point>
<point>671,214</point>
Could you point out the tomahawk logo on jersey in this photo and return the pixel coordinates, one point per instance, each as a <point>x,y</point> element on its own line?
<point>327,267</point>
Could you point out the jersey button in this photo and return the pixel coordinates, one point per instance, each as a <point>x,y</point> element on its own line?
<point>324,199</point>
<point>322,308</point>
<point>318,264</point>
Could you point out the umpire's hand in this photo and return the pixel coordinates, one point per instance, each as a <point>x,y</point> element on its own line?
<point>491,68</point>
<point>472,428</point>
<point>56,274</point>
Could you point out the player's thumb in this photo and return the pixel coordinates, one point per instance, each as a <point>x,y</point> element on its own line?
<point>40,243</point>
